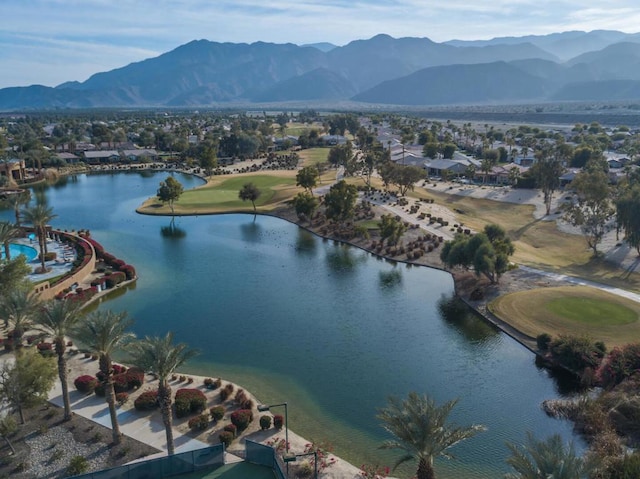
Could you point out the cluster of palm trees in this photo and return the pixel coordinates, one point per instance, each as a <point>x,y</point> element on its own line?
<point>103,333</point>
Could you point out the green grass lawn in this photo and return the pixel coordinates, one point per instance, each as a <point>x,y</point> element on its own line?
<point>573,310</point>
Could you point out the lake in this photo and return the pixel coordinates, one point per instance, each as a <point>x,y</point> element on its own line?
<point>328,328</point>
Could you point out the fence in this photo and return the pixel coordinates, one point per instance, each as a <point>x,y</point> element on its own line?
<point>263,455</point>
<point>167,466</point>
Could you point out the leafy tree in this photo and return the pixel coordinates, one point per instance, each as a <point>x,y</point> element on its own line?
<point>448,149</point>
<point>407,176</point>
<point>422,430</point>
<point>104,332</point>
<point>57,318</point>
<point>305,204</point>
<point>208,158</point>
<point>39,216</point>
<point>170,191</point>
<point>592,209</point>
<point>546,172</point>
<point>8,232</point>
<point>162,357</point>
<point>430,149</point>
<point>340,201</point>
<point>340,155</point>
<point>250,192</point>
<point>307,178</point>
<point>26,382</point>
<point>627,207</point>
<point>8,426</point>
<point>548,458</point>
<point>391,228</point>
<point>13,275</point>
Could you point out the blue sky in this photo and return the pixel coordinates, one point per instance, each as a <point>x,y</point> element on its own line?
<point>51,41</point>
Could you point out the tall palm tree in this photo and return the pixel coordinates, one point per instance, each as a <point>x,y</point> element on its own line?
<point>19,309</point>
<point>39,215</point>
<point>548,458</point>
<point>422,430</point>
<point>57,318</point>
<point>162,357</point>
<point>104,332</point>
<point>7,233</point>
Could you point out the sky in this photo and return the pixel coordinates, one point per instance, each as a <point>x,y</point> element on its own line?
<point>48,42</point>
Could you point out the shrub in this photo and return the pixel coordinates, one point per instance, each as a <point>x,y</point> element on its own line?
<point>189,401</point>
<point>621,364</point>
<point>120,384</point>
<point>49,256</point>
<point>43,347</point>
<point>278,421</point>
<point>122,398</point>
<point>114,279</point>
<point>135,377</point>
<point>199,422</point>
<point>118,369</point>
<point>85,384</point>
<point>226,438</point>
<point>101,389</point>
<point>146,401</point>
<point>242,418</point>
<point>231,428</point>
<point>77,465</point>
<point>226,392</point>
<point>265,422</point>
<point>542,341</point>
<point>129,271</point>
<point>575,353</point>
<point>217,412</point>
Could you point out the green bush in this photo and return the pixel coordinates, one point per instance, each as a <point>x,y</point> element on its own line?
<point>77,465</point>
<point>226,438</point>
<point>217,412</point>
<point>265,422</point>
<point>199,423</point>
<point>146,401</point>
<point>189,401</point>
<point>542,341</point>
<point>575,353</point>
<point>242,418</point>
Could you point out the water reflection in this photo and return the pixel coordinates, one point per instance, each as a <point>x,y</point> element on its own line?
<point>566,384</point>
<point>172,231</point>
<point>344,259</point>
<point>456,313</point>
<point>252,231</point>
<point>390,280</point>
<point>306,243</point>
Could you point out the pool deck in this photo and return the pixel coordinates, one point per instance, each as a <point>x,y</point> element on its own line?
<point>65,256</point>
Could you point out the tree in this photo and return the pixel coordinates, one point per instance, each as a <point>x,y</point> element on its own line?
<point>406,177</point>
<point>391,228</point>
<point>8,426</point>
<point>18,309</point>
<point>208,157</point>
<point>592,209</point>
<point>627,207</point>
<point>15,201</point>
<point>26,382</point>
<point>250,192</point>
<point>162,357</point>
<point>13,274</point>
<point>340,155</point>
<point>305,204</point>
<point>307,178</point>
<point>546,172</point>
<point>104,332</point>
<point>548,458</point>
<point>7,233</point>
<point>57,319</point>
<point>422,430</point>
<point>39,216</point>
<point>170,191</point>
<point>340,201</point>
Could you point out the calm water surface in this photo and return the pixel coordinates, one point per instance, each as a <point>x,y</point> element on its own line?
<point>330,329</point>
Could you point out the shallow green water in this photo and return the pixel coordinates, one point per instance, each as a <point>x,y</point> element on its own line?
<point>330,329</point>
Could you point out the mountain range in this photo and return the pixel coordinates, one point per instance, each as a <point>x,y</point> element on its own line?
<point>569,66</point>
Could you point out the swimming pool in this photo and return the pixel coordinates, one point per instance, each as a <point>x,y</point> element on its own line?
<point>16,249</point>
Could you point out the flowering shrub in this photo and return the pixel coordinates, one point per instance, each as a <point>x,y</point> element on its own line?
<point>45,346</point>
<point>621,364</point>
<point>120,384</point>
<point>231,428</point>
<point>322,450</point>
<point>118,369</point>
<point>199,422</point>
<point>242,418</point>
<point>129,271</point>
<point>373,472</point>
<point>122,398</point>
<point>279,444</point>
<point>135,377</point>
<point>85,384</point>
<point>189,401</point>
<point>265,422</point>
<point>226,438</point>
<point>146,401</point>
<point>226,392</point>
<point>217,412</point>
<point>278,421</point>
<point>114,279</point>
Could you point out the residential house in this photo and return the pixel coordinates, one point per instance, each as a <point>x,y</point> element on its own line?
<point>102,156</point>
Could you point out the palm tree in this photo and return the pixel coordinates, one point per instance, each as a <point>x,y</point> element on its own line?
<point>548,458</point>
<point>103,332</point>
<point>422,431</point>
<point>15,201</point>
<point>39,215</point>
<point>19,309</point>
<point>7,233</point>
<point>57,319</point>
<point>161,357</point>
